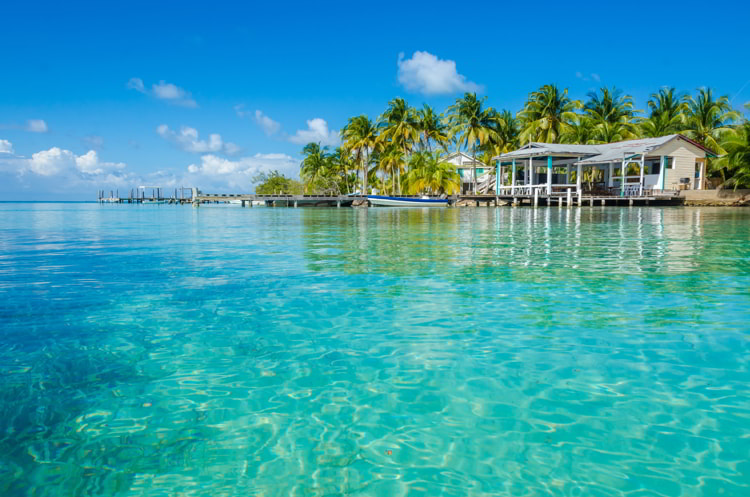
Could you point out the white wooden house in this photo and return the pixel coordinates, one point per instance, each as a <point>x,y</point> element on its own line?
<point>655,165</point>
<point>465,168</point>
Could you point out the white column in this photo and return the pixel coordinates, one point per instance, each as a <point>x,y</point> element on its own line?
<point>513,178</point>
<point>643,166</point>
<point>702,174</point>
<point>549,175</point>
<point>579,174</point>
<point>567,174</point>
<point>530,176</point>
<point>662,172</point>
<point>526,172</point>
<point>611,179</point>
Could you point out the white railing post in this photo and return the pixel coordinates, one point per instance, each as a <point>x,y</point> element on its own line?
<point>549,175</point>
<point>570,196</point>
<point>643,167</point>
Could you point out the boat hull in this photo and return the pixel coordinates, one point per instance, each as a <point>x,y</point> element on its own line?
<point>383,201</point>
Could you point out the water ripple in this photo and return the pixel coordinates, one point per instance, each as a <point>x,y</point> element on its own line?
<point>164,350</point>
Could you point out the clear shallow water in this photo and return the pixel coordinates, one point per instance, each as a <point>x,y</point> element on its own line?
<point>220,351</point>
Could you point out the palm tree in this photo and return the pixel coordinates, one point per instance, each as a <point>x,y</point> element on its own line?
<point>341,163</point>
<point>548,113</point>
<point>315,164</point>
<point>505,137</point>
<point>509,131</point>
<point>667,113</point>
<point>391,159</point>
<point>400,127</point>
<point>580,132</point>
<point>427,174</point>
<point>473,125</point>
<point>432,128</point>
<point>736,162</point>
<point>612,115</point>
<point>360,135</point>
<point>706,119</point>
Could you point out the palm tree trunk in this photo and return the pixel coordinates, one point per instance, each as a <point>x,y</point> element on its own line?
<point>365,163</point>
<point>474,167</point>
<point>399,170</point>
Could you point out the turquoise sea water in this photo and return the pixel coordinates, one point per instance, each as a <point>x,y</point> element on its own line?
<point>221,351</point>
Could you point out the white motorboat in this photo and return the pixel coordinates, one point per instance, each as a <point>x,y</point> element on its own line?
<point>386,201</point>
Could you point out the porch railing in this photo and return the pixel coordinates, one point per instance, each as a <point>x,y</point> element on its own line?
<point>529,189</point>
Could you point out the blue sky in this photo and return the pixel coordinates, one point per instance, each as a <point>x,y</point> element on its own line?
<point>94,96</point>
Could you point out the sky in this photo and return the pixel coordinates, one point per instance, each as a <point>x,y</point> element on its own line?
<point>108,96</point>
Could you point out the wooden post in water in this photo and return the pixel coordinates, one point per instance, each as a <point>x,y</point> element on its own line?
<point>536,197</point>
<point>570,197</point>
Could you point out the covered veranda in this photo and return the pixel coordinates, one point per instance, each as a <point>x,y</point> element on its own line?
<point>633,168</point>
<point>554,170</point>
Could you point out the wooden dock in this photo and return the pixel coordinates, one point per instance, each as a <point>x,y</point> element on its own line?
<point>282,200</point>
<point>503,199</point>
<point>569,200</point>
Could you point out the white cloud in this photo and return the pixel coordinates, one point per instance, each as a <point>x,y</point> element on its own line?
<point>215,174</point>
<point>56,161</point>
<point>175,94</point>
<point>239,109</point>
<point>317,131</point>
<point>94,141</point>
<point>36,126</point>
<point>6,147</point>
<point>425,73</point>
<point>268,125</point>
<point>136,84</point>
<point>232,149</point>
<point>50,162</point>
<point>59,173</point>
<point>187,139</point>
<point>584,77</point>
<point>89,163</point>
<point>164,91</point>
